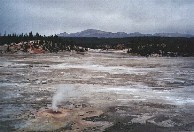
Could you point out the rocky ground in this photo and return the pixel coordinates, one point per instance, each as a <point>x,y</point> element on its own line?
<point>100,91</point>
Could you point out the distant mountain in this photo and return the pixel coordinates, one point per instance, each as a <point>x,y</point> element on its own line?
<point>94,33</point>
<point>63,34</point>
<point>173,35</point>
<point>104,34</point>
<point>137,34</point>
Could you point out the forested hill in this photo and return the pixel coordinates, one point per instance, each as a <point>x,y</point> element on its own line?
<point>172,46</point>
<point>145,46</point>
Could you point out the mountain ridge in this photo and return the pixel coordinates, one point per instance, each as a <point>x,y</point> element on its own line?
<point>104,34</point>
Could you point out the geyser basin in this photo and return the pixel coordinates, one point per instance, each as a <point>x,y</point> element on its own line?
<point>65,119</point>
<point>54,112</point>
<point>61,114</point>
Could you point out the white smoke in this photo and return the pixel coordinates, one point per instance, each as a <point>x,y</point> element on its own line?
<point>60,96</point>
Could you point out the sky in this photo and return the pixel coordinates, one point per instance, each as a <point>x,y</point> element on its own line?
<point>56,16</point>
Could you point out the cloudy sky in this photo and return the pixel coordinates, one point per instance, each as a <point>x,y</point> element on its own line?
<point>56,16</point>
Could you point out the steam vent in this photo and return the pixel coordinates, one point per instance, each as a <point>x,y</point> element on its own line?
<point>61,114</point>
<point>65,119</point>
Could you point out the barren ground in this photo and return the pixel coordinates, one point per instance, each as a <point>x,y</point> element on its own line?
<point>102,91</point>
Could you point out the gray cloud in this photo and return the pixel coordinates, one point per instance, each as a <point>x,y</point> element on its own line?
<point>56,16</point>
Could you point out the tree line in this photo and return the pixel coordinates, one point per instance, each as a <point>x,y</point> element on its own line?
<point>145,46</point>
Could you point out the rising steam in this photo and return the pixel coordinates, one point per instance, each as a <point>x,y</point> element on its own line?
<point>60,96</point>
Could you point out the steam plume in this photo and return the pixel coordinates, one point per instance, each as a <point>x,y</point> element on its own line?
<point>59,96</point>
